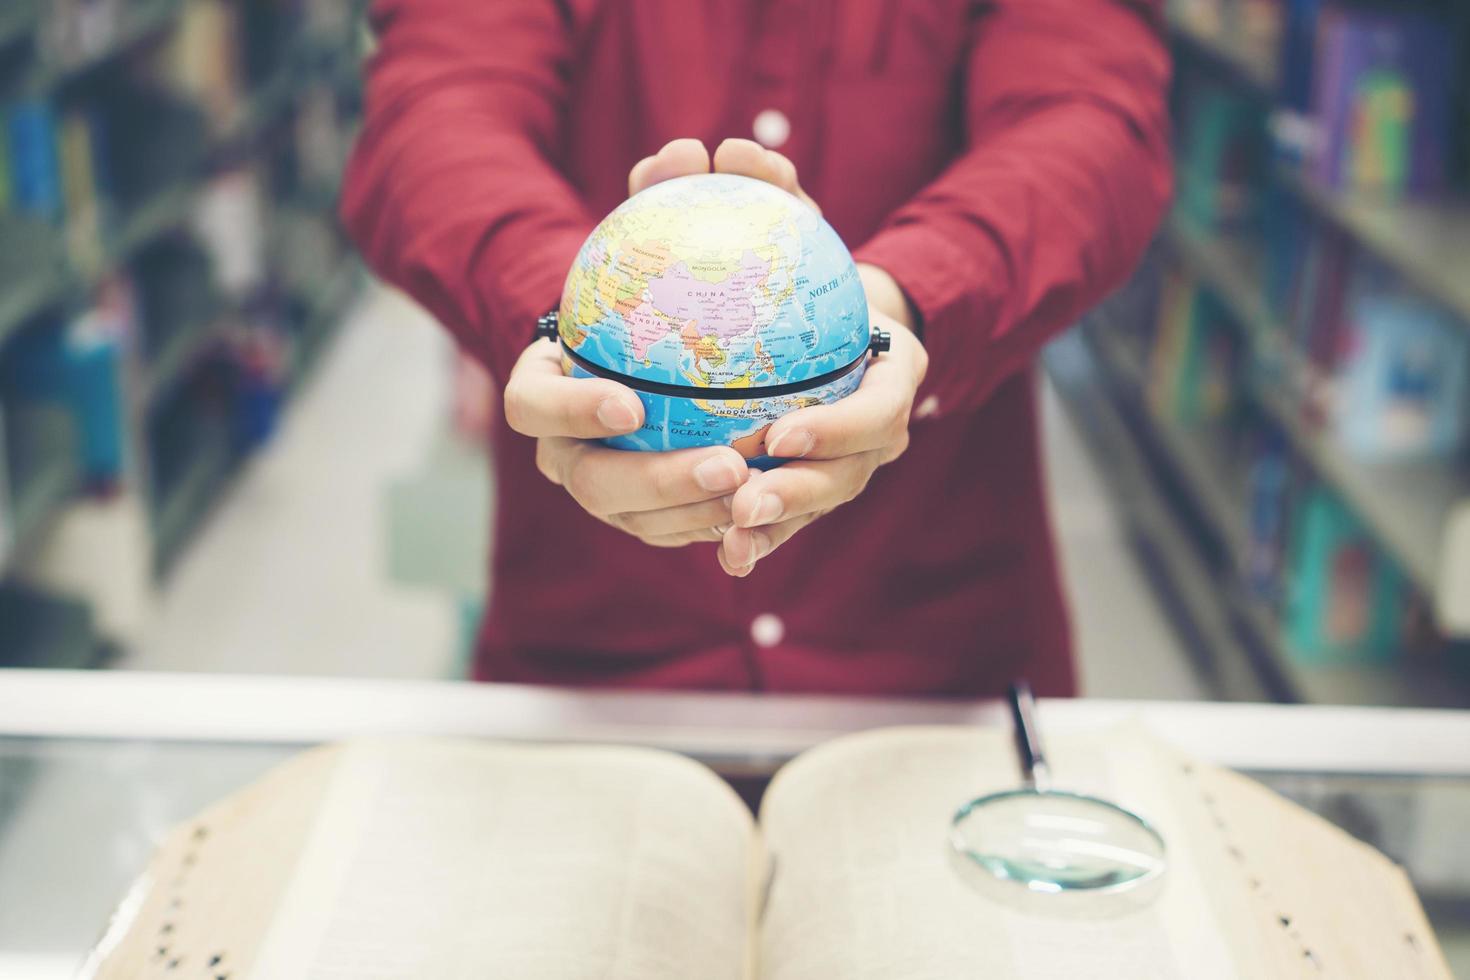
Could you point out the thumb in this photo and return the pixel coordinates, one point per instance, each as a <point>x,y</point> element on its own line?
<point>677,158</point>
<point>540,401</point>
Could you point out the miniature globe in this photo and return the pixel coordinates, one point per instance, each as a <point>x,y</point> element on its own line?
<point>724,302</point>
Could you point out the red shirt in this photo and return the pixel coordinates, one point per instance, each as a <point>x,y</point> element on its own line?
<point>1005,161</point>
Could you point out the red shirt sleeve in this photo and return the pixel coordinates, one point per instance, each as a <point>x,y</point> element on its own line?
<point>1065,176</point>
<point>450,192</point>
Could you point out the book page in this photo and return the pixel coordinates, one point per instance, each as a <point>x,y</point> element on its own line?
<point>865,886</point>
<point>464,860</point>
<point>212,887</point>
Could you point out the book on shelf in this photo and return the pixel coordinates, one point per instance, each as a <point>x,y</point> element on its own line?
<point>230,221</point>
<point>417,858</point>
<point>7,520</point>
<point>82,189</point>
<point>1381,100</point>
<point>1196,358</point>
<point>202,61</point>
<point>1345,600</point>
<point>1220,155</point>
<point>76,366</point>
<point>35,174</point>
<point>1269,479</point>
<point>1401,389</point>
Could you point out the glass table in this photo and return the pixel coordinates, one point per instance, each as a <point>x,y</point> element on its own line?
<point>96,767</point>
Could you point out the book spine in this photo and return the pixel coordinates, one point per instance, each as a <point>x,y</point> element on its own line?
<point>35,174</point>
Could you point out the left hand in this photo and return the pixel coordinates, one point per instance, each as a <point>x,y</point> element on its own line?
<point>835,448</point>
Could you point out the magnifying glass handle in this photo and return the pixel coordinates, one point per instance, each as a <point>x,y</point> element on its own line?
<point>1028,736</point>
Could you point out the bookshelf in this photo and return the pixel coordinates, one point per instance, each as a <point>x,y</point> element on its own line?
<point>51,477</point>
<point>1406,505</point>
<point>179,458</point>
<point>1427,241</point>
<point>1190,462</point>
<point>1204,516</point>
<point>142,21</point>
<point>1228,44</point>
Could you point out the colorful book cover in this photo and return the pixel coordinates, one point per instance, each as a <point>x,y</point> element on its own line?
<point>1345,599</point>
<point>1193,368</point>
<point>1268,488</point>
<point>1176,309</point>
<point>1316,311</point>
<point>79,190</point>
<point>1403,388</point>
<point>1221,157</point>
<point>1382,101</point>
<point>5,178</point>
<point>77,365</point>
<point>7,522</point>
<point>1298,40</point>
<point>35,174</point>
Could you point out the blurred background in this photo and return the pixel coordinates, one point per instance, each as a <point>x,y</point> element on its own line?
<point>225,449</point>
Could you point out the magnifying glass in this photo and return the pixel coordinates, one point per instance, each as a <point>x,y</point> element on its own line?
<point>1050,841</point>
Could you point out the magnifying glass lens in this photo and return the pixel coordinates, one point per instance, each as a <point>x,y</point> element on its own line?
<point>1055,842</point>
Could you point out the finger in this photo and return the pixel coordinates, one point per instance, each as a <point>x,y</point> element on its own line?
<point>677,158</point>
<point>703,536</point>
<point>750,159</point>
<point>871,418</point>
<point>701,516</point>
<point>740,548</point>
<point>875,417</point>
<point>541,401</point>
<point>614,481</point>
<point>802,488</point>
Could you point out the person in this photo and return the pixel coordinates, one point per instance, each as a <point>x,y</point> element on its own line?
<point>996,169</point>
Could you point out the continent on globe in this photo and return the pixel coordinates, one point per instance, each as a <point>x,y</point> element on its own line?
<point>724,302</point>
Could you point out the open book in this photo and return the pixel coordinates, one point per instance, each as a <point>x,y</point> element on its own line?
<point>452,860</point>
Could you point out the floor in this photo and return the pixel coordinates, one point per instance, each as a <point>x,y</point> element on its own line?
<point>306,566</point>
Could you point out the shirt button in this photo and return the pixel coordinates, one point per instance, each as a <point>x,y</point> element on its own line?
<point>771,128</point>
<point>929,406</point>
<point>767,629</point>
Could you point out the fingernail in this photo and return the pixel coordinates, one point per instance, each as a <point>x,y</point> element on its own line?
<point>717,475</point>
<point>767,509</point>
<point>614,413</point>
<point>792,444</point>
<point>760,546</point>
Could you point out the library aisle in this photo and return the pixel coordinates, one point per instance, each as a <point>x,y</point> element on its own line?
<point>294,573</point>
<point>290,573</point>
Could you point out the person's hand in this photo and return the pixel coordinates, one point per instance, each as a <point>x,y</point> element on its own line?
<point>836,449</point>
<point>665,499</point>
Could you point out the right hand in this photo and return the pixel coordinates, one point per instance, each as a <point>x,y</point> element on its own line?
<point>665,499</point>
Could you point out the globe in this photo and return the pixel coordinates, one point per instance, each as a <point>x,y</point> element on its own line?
<point>724,302</point>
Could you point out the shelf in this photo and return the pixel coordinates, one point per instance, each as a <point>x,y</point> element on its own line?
<point>1245,57</point>
<point>180,351</point>
<point>1233,270</point>
<point>52,481</point>
<point>180,511</point>
<point>40,630</point>
<point>18,20</point>
<point>269,102</point>
<point>1404,505</point>
<point>1189,459</point>
<point>1193,454</point>
<point>1427,242</point>
<point>1186,588</point>
<point>21,301</point>
<point>147,20</point>
<point>325,312</point>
